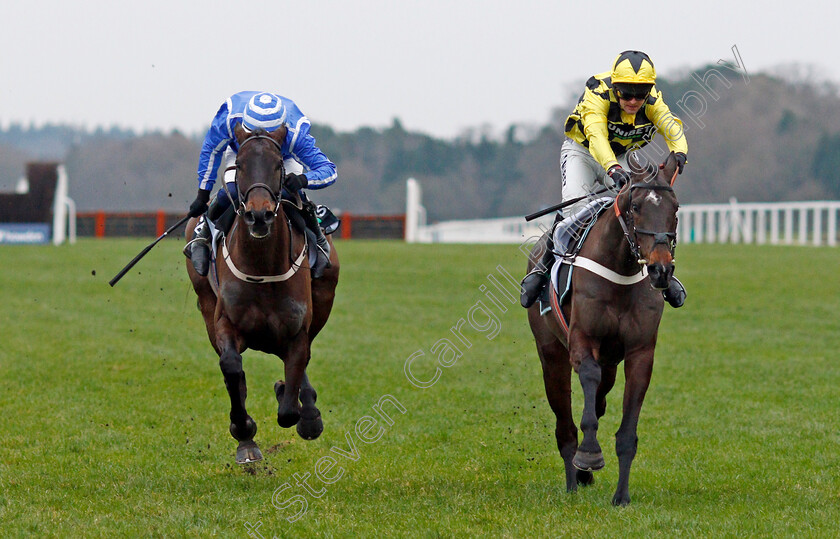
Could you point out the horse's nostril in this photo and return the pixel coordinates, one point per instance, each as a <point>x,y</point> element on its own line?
<point>268,216</point>
<point>249,217</point>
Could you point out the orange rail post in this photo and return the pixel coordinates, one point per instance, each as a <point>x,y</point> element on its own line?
<point>346,226</point>
<point>99,224</point>
<point>160,225</point>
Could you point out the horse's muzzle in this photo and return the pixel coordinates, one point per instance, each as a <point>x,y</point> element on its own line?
<point>259,222</point>
<point>660,274</point>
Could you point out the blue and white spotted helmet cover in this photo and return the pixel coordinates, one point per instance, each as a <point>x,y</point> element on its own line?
<point>264,111</point>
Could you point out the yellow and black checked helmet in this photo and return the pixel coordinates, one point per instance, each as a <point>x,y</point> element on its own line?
<point>633,67</point>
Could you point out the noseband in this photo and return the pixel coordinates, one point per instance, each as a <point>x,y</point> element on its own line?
<point>275,197</point>
<point>663,238</point>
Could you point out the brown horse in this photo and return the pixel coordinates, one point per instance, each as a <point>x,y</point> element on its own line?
<point>266,298</point>
<point>610,322</point>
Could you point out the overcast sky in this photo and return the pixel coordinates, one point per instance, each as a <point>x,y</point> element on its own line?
<point>438,65</point>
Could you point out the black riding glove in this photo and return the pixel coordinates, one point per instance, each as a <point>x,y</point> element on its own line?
<point>619,176</point>
<point>680,161</point>
<point>295,182</point>
<point>199,205</point>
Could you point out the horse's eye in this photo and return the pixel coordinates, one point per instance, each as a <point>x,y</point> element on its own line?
<point>635,208</point>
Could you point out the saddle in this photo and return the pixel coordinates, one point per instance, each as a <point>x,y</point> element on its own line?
<point>569,236</point>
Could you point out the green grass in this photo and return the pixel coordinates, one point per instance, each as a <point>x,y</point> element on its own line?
<point>114,412</point>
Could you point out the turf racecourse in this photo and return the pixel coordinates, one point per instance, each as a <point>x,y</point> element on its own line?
<point>114,412</point>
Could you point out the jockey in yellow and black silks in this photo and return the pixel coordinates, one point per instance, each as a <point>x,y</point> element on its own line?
<point>619,111</point>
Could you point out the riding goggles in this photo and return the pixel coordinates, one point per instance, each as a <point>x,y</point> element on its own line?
<point>634,91</point>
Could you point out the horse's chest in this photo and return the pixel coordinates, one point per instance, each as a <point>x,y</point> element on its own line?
<point>267,315</point>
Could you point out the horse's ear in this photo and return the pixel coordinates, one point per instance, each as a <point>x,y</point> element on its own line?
<point>240,133</point>
<point>641,168</point>
<point>669,167</point>
<point>279,134</point>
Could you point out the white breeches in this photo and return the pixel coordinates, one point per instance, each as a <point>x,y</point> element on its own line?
<point>582,174</point>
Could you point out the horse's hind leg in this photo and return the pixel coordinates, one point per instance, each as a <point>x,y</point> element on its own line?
<point>310,425</point>
<point>557,379</point>
<point>607,383</point>
<point>204,292</point>
<point>242,426</point>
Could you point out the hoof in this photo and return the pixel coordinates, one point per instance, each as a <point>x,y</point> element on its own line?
<point>309,429</point>
<point>248,452</point>
<point>621,500</point>
<point>289,419</point>
<point>585,478</point>
<point>588,462</point>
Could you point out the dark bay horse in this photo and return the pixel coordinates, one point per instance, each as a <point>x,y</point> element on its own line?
<point>610,322</point>
<point>266,298</point>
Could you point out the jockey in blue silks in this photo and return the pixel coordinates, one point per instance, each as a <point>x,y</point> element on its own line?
<point>305,164</point>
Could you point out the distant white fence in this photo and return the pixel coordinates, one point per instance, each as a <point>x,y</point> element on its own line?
<point>784,223</point>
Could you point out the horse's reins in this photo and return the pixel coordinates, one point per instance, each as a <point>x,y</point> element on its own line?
<point>665,238</point>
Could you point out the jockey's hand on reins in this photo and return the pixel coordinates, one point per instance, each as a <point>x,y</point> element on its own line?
<point>295,182</point>
<point>681,158</point>
<point>619,176</point>
<point>199,205</point>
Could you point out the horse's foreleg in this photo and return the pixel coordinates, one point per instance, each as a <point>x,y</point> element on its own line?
<point>297,357</point>
<point>242,426</point>
<point>637,372</point>
<point>589,456</point>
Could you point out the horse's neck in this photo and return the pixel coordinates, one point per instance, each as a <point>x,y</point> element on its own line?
<point>612,249</point>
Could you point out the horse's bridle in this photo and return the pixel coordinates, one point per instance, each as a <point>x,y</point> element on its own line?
<point>275,197</point>
<point>664,238</point>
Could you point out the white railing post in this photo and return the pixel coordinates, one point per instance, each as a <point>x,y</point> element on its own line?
<point>711,231</point>
<point>774,225</point>
<point>413,211</point>
<point>748,225</point>
<point>803,225</point>
<point>761,226</point>
<point>71,221</point>
<point>817,229</point>
<point>59,207</point>
<point>788,225</point>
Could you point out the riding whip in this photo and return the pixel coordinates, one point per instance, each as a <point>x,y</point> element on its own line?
<point>562,205</point>
<point>143,253</point>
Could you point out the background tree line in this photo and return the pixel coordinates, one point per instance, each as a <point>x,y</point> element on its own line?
<point>771,138</point>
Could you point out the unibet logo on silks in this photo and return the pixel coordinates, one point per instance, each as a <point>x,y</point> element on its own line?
<point>639,132</point>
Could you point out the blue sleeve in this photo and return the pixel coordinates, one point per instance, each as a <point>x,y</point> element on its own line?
<point>320,171</point>
<point>212,150</point>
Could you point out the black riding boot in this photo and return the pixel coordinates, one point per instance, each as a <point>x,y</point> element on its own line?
<point>198,249</point>
<point>675,293</point>
<point>322,245</point>
<point>534,282</point>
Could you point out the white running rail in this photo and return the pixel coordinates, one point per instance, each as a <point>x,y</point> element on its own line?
<point>775,223</point>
